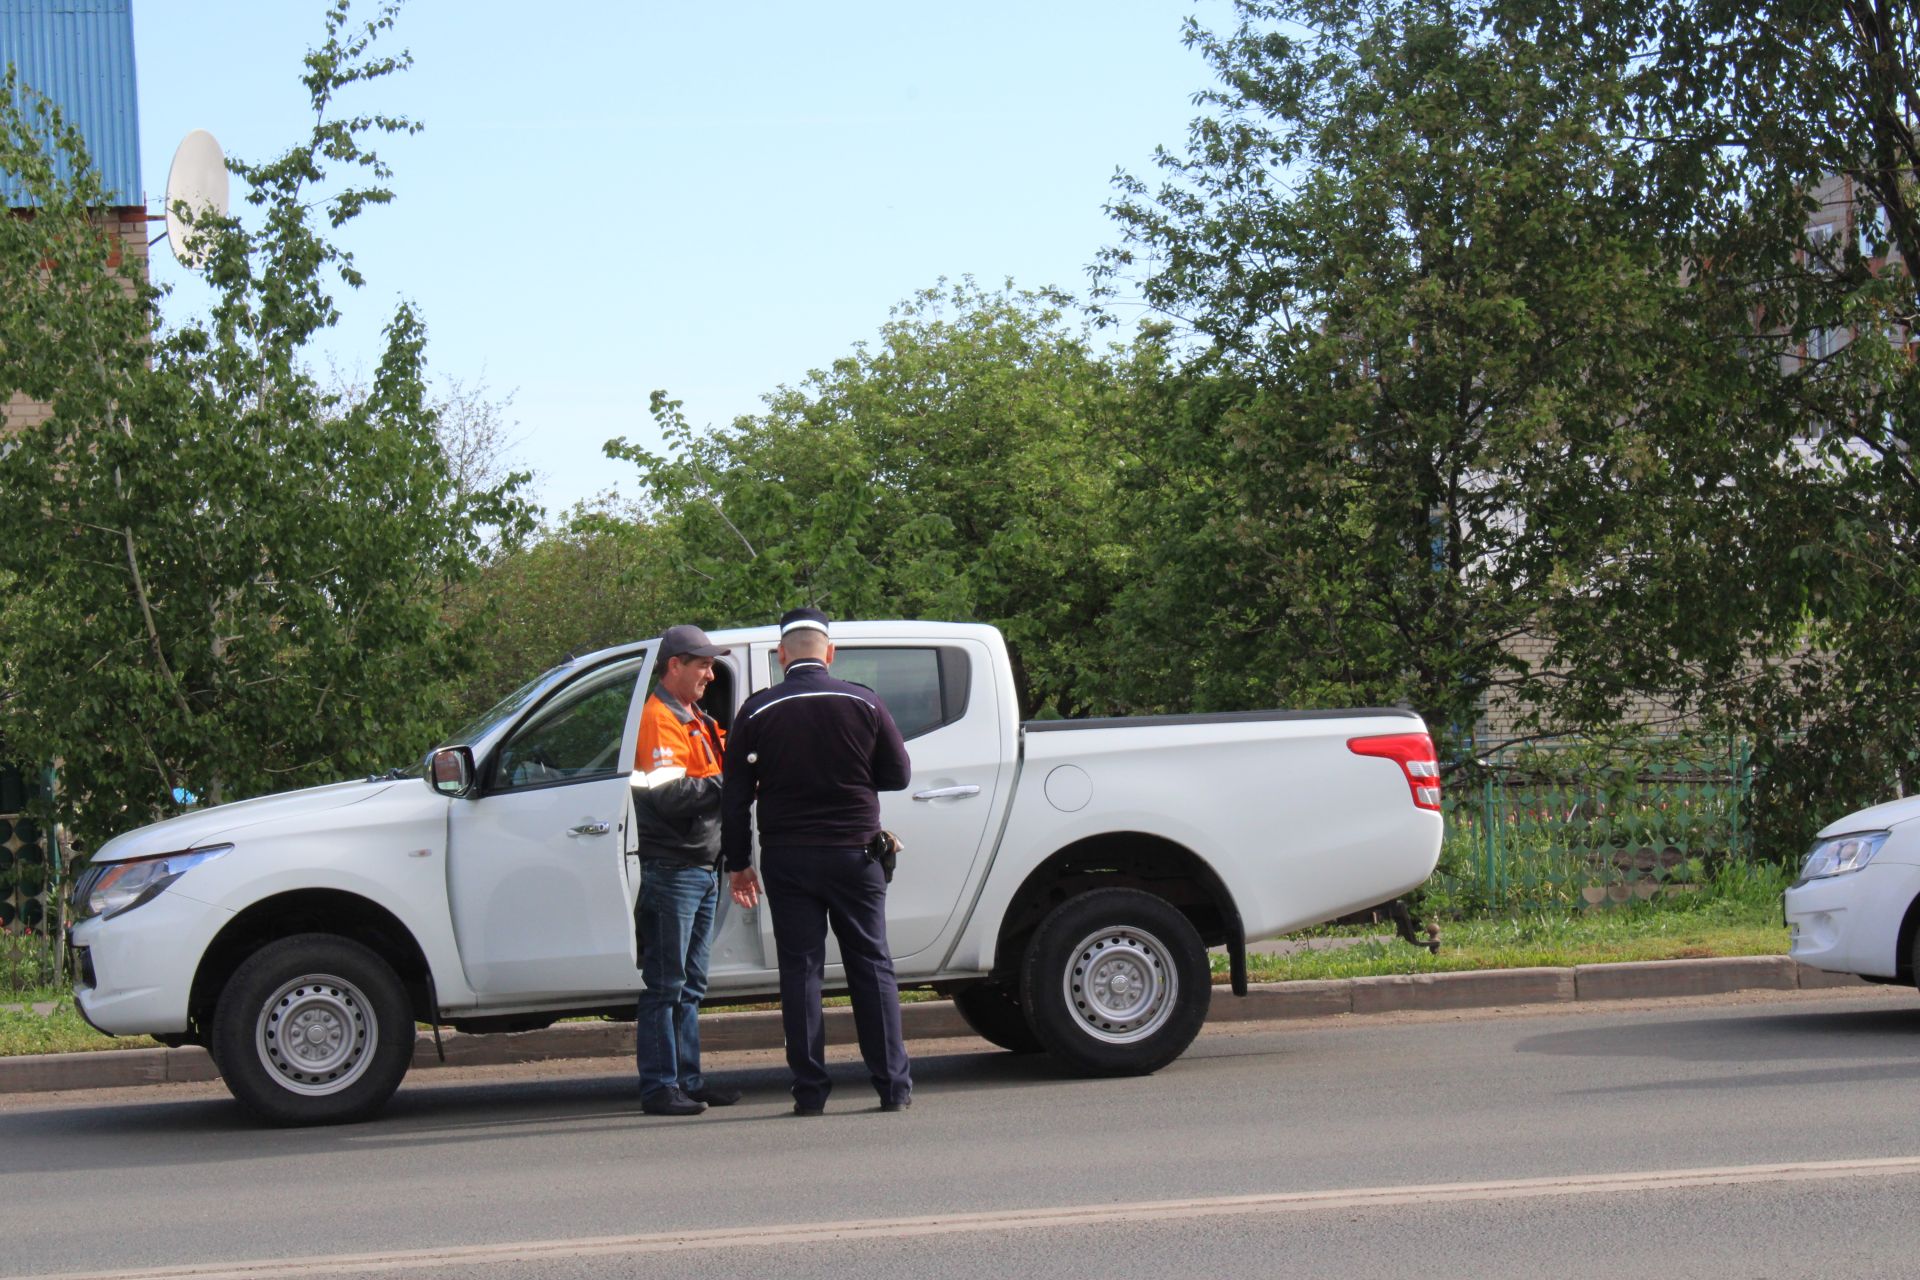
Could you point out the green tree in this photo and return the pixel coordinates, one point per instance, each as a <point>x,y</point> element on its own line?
<point>603,575</point>
<point>227,581</point>
<point>1779,139</point>
<point>1411,252</point>
<point>963,468</point>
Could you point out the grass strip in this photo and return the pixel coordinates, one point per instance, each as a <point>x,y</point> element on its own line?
<point>1553,940</point>
<point>61,1031</point>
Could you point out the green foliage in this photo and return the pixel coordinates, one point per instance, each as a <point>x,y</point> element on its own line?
<point>1780,143</point>
<point>1734,912</point>
<point>61,1030</point>
<point>601,576</point>
<point>1573,824</point>
<point>226,579</point>
<point>1706,927</point>
<point>1429,313</point>
<point>1750,885</point>
<point>964,468</point>
<point>27,964</point>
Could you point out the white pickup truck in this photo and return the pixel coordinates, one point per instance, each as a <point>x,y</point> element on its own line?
<point>1062,880</point>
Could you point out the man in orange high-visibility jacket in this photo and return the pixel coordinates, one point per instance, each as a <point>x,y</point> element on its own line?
<point>678,824</point>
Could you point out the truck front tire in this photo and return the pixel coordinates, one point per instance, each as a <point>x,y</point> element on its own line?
<point>1116,983</point>
<point>996,1017</point>
<point>313,1029</point>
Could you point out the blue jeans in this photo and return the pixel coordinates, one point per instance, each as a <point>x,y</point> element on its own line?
<point>675,915</point>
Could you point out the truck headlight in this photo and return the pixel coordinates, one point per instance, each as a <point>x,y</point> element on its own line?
<point>114,887</point>
<point>1838,855</point>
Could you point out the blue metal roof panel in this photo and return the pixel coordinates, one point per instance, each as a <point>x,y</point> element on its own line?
<point>80,54</point>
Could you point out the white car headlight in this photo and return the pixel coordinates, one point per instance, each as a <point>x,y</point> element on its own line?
<point>114,887</point>
<point>1838,855</point>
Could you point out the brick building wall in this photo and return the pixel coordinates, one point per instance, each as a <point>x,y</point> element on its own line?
<point>1504,716</point>
<point>130,227</point>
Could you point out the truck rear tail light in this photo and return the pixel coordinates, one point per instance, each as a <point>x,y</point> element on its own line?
<point>1417,760</point>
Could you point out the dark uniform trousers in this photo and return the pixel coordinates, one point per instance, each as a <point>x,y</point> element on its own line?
<point>809,888</point>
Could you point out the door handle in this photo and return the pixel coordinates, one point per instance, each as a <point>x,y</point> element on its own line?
<point>947,793</point>
<point>590,829</point>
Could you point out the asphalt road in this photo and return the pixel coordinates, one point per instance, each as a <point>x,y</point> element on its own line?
<point>1559,1140</point>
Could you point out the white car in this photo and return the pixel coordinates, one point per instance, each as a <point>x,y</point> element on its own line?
<point>1857,902</point>
<point>1062,880</point>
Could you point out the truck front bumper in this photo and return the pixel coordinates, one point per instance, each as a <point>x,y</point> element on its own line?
<point>134,973</point>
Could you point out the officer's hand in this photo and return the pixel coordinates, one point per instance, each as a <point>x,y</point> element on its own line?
<point>745,886</point>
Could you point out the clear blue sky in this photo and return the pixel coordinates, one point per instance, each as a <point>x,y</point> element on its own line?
<point>713,199</point>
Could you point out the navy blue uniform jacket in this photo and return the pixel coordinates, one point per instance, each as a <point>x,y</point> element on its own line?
<point>812,750</point>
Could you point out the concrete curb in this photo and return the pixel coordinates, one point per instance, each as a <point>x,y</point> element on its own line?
<point>937,1019</point>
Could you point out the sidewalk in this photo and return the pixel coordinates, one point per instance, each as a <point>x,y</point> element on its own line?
<point>936,1019</point>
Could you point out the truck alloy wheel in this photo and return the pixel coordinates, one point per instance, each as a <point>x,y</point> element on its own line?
<point>996,1017</point>
<point>313,1029</point>
<point>1116,982</point>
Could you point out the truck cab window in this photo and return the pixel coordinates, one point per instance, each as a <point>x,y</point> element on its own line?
<point>575,737</point>
<point>924,686</point>
<point>720,698</point>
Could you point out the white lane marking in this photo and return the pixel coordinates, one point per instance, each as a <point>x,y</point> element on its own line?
<point>852,1231</point>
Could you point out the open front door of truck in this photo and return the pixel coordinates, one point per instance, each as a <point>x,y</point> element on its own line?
<point>541,892</point>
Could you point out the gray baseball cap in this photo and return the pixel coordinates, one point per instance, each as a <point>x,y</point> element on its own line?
<point>687,640</point>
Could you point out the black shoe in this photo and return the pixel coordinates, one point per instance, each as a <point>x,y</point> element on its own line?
<point>900,1104</point>
<point>670,1102</point>
<point>808,1111</point>
<point>714,1096</point>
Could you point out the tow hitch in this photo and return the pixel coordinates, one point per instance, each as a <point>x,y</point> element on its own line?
<point>1405,923</point>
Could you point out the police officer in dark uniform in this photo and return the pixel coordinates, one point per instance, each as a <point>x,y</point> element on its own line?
<point>813,751</point>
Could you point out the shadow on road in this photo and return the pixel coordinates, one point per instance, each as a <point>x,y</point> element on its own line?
<point>426,1112</point>
<point>1745,1043</point>
<point>1780,1037</point>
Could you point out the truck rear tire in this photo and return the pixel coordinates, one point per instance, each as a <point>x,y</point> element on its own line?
<point>996,1017</point>
<point>313,1029</point>
<point>1116,983</point>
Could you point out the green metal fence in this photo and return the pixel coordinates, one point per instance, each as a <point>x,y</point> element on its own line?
<point>29,860</point>
<point>1577,824</point>
<point>30,887</point>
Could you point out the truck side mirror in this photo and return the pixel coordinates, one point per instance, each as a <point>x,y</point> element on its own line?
<point>450,771</point>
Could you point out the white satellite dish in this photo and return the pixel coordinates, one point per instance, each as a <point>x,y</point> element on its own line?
<point>197,179</point>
